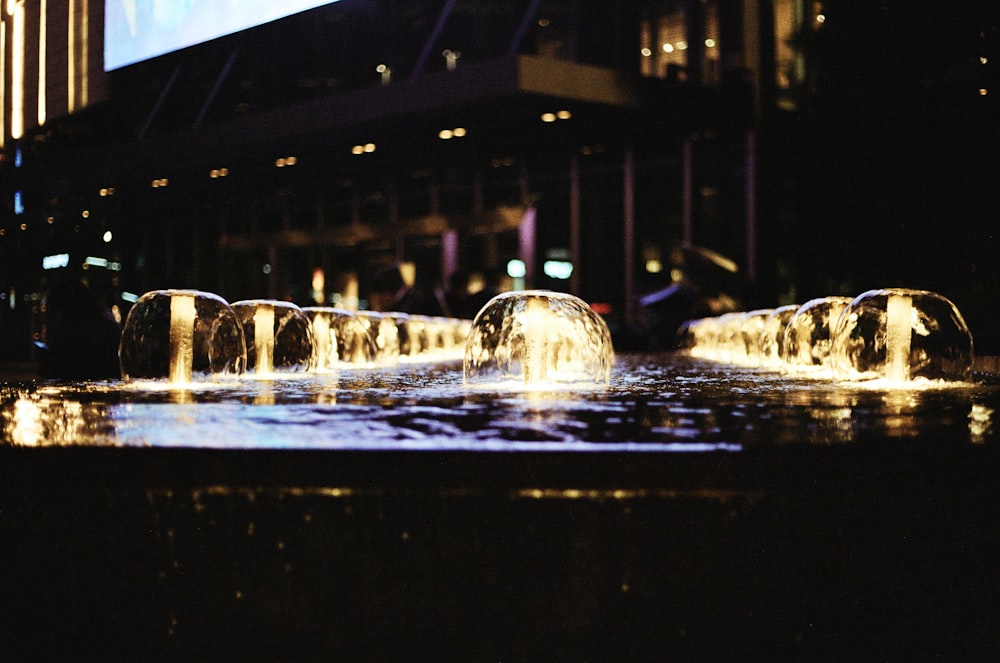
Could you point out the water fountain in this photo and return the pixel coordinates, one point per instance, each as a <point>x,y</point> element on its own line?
<point>808,336</point>
<point>341,339</point>
<point>279,337</point>
<point>180,336</point>
<point>901,335</point>
<point>537,339</point>
<point>689,507</point>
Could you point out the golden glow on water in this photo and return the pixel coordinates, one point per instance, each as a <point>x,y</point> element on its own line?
<point>980,423</point>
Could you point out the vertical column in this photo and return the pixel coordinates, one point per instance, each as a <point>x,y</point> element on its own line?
<point>182,314</point>
<point>263,339</point>
<point>575,249</point>
<point>628,191</point>
<point>899,313</point>
<point>687,211</point>
<point>751,205</point>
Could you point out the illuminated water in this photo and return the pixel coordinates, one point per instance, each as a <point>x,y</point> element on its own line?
<point>661,403</point>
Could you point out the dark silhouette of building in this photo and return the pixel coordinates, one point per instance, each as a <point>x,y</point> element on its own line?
<point>824,147</point>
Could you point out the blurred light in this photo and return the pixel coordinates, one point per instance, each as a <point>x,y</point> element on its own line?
<point>291,161</point>
<point>55,261</point>
<point>601,308</point>
<point>516,269</point>
<point>95,261</point>
<point>983,92</point>
<point>318,285</point>
<point>216,173</point>
<point>564,115</point>
<point>710,42</point>
<point>130,297</point>
<point>17,47</point>
<point>646,52</point>
<point>24,226</point>
<point>820,18</point>
<point>42,48</point>
<point>107,191</point>
<point>369,148</point>
<point>445,134</point>
<point>682,46</point>
<point>654,266</point>
<point>548,117</point>
<point>983,59</point>
<point>50,220</point>
<point>266,268</point>
<point>458,132</point>
<point>557,269</point>
<point>668,48</point>
<point>18,202</point>
<point>358,149</point>
<point>160,182</point>
<point>676,274</point>
<point>85,213</point>
<point>107,236</point>
<point>451,58</point>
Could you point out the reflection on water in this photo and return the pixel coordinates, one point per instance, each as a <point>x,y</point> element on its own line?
<point>653,403</point>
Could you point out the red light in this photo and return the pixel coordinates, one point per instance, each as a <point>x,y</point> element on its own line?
<point>601,308</point>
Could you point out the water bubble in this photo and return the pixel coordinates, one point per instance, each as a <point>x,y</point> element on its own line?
<point>278,335</point>
<point>901,335</point>
<point>538,338</point>
<point>181,335</point>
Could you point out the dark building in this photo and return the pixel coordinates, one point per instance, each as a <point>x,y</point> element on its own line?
<point>823,148</point>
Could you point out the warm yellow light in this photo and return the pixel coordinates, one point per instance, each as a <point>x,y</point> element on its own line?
<point>654,266</point>
<point>668,48</point>
<point>983,59</point>
<point>369,147</point>
<point>280,162</point>
<point>564,115</point>
<point>358,149</point>
<point>548,117</point>
<point>85,213</point>
<point>3,84</point>
<point>318,280</point>
<point>445,134</point>
<point>682,46</point>
<point>458,132</point>
<point>223,172</point>
<point>983,92</point>
<point>646,52</point>
<point>42,28</point>
<point>24,226</point>
<point>16,11</point>
<point>291,161</point>
<point>710,43</point>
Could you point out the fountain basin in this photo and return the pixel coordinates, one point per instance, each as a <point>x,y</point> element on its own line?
<point>687,510</point>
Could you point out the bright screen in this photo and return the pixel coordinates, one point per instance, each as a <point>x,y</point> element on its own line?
<point>136,30</point>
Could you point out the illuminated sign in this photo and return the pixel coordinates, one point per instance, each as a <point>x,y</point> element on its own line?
<point>55,261</point>
<point>136,30</point>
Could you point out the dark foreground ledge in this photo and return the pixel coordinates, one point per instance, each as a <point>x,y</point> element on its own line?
<point>883,551</point>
